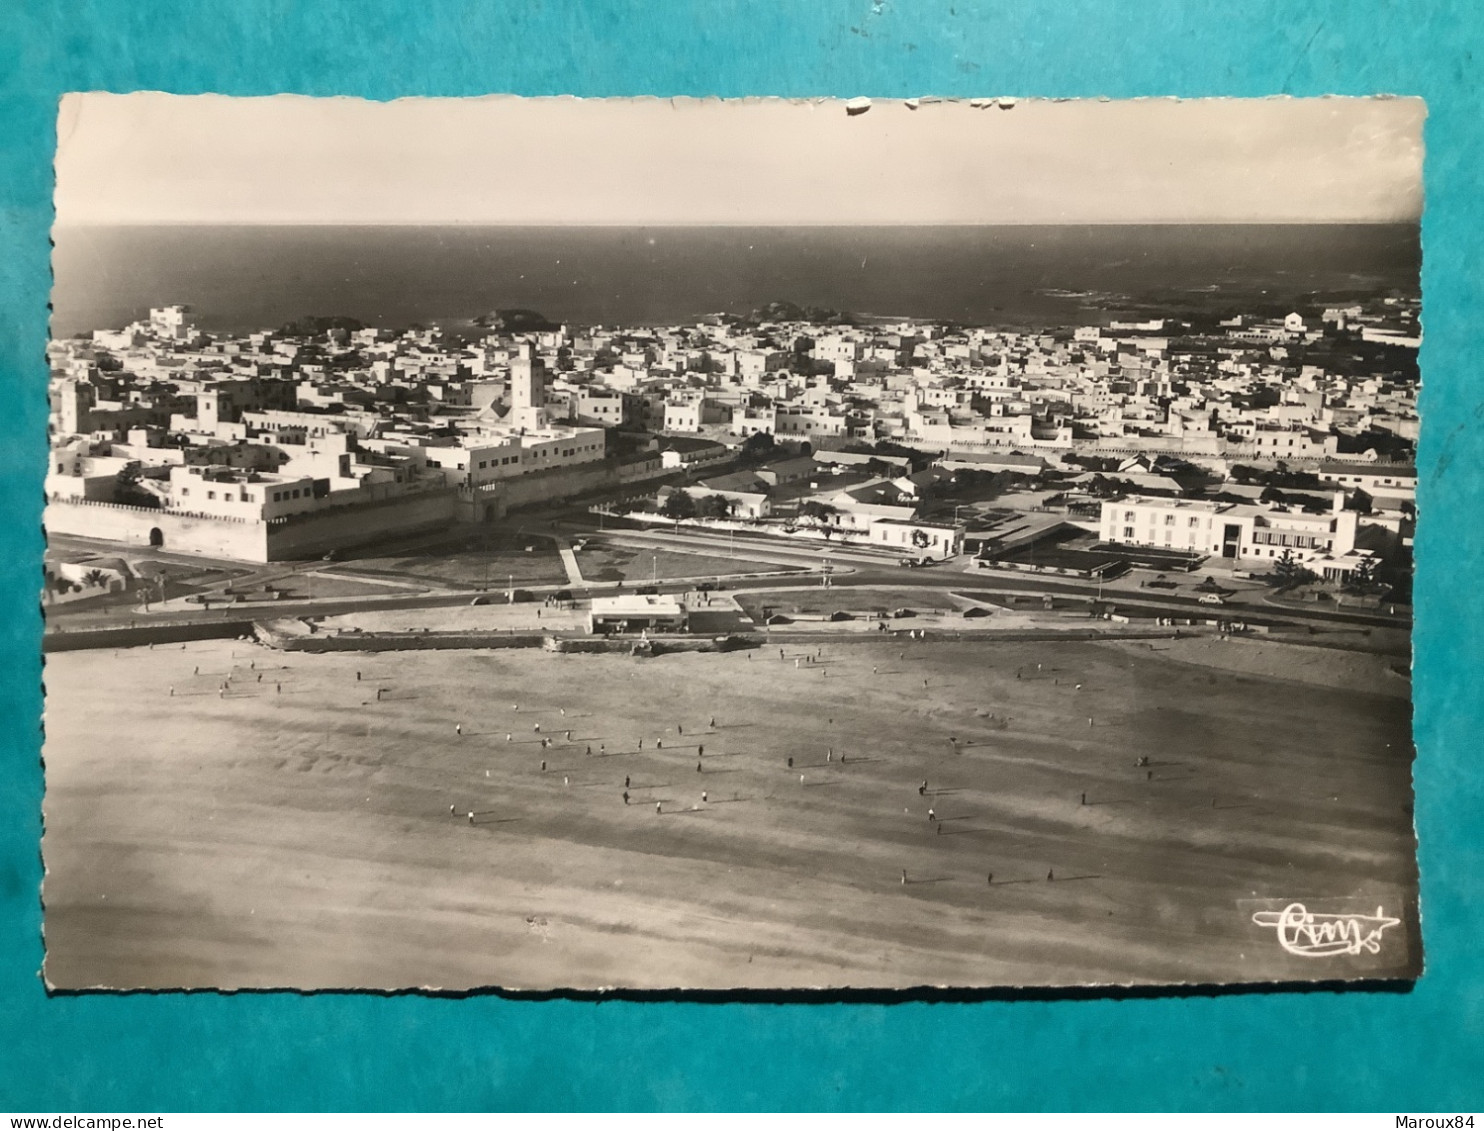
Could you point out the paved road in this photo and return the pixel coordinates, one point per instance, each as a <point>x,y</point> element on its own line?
<point>850,567</point>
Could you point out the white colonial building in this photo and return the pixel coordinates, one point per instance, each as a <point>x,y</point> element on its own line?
<point>1248,533</point>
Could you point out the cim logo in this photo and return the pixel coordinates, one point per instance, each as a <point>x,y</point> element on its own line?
<point>1314,934</point>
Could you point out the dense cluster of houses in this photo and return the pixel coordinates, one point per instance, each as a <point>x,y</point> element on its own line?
<point>384,432</point>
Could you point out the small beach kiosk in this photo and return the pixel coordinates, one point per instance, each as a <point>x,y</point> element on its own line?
<point>637,613</point>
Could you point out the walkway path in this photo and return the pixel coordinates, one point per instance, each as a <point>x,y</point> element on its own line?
<point>569,561</point>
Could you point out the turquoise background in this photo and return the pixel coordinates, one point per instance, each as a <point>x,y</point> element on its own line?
<point>1418,1051</point>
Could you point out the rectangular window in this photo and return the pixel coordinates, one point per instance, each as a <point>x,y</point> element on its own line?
<point>1169,520</point>
<point>211,494</point>
<point>1194,522</point>
<point>1128,531</point>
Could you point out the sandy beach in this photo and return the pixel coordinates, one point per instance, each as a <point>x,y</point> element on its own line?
<point>302,837</point>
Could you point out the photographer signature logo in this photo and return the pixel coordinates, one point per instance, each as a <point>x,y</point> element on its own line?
<point>1312,934</point>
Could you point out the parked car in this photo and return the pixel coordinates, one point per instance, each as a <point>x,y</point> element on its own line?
<point>1212,599</point>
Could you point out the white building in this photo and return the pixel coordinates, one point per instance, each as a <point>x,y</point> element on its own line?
<point>1246,533</point>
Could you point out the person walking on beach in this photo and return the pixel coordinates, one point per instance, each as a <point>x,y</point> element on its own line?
<point>932,816</point>
<point>625,797</point>
<point>458,728</point>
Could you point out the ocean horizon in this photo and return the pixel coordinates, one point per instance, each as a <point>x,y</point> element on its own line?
<point>242,278</point>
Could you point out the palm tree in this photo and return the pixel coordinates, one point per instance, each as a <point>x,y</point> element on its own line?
<point>96,577</point>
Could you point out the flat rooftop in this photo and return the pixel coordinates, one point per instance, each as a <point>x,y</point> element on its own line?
<point>637,605</point>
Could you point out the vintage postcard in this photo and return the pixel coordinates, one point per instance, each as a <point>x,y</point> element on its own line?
<point>643,545</point>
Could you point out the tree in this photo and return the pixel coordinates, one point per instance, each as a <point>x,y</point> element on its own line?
<point>757,448</point>
<point>714,506</point>
<point>1365,573</point>
<point>920,539</point>
<point>679,505</point>
<point>95,577</point>
<point>820,512</point>
<point>127,489</point>
<point>1286,568</point>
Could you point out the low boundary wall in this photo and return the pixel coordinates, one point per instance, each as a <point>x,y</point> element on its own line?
<point>134,636</point>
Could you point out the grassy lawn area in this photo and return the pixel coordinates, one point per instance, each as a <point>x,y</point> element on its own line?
<point>495,559</point>
<point>602,561</point>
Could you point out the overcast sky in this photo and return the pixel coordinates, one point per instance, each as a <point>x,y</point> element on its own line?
<point>157,158</point>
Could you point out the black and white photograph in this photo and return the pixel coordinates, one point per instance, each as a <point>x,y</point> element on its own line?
<point>758,546</point>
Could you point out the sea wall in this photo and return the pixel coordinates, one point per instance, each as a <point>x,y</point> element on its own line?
<point>137,636</point>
